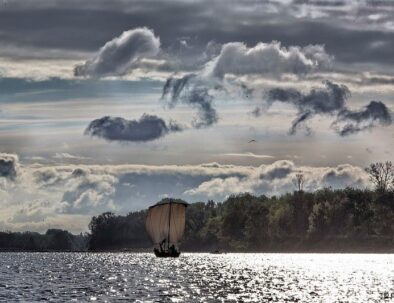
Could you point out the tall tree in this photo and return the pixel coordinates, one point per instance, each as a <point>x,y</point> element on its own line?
<point>299,181</point>
<point>382,175</point>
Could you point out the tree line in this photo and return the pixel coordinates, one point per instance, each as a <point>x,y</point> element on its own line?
<point>325,220</point>
<point>52,240</point>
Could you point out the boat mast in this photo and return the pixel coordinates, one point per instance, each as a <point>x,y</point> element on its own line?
<point>169,229</point>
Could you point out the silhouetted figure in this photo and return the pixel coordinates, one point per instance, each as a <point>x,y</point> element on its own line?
<point>172,250</point>
<point>162,244</point>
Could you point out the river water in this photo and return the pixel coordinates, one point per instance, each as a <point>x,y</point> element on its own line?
<point>140,277</point>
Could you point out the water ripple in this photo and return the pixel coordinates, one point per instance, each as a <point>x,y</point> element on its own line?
<point>125,277</point>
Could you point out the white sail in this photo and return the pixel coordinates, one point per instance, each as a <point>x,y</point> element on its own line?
<point>166,222</point>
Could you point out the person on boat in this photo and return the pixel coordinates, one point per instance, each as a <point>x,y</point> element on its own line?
<point>161,244</point>
<point>172,250</point>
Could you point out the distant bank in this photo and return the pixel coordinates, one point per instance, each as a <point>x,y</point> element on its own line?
<point>347,220</point>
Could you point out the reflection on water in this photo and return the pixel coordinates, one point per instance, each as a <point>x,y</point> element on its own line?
<point>195,277</point>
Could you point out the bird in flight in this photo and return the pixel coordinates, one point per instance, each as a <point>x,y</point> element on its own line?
<point>252,141</point>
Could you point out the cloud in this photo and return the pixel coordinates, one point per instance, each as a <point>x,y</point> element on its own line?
<point>9,166</point>
<point>277,170</point>
<point>268,58</point>
<point>328,100</point>
<point>235,58</point>
<point>89,191</point>
<point>174,87</point>
<point>300,122</point>
<point>75,189</point>
<point>277,178</point>
<point>44,29</point>
<point>200,98</point>
<point>221,187</point>
<point>191,90</point>
<point>117,56</point>
<point>53,194</point>
<point>67,156</point>
<point>92,188</point>
<point>147,128</point>
<point>180,57</point>
<point>349,122</point>
<point>33,212</point>
<point>337,177</point>
<point>248,155</point>
<point>47,177</point>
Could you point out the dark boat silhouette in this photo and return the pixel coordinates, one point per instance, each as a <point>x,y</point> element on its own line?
<point>165,225</point>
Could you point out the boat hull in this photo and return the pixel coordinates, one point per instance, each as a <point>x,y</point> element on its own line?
<point>165,254</point>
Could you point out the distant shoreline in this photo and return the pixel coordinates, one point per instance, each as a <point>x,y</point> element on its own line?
<point>325,221</point>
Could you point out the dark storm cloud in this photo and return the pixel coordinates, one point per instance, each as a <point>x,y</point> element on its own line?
<point>8,166</point>
<point>147,128</point>
<point>87,25</point>
<point>174,87</point>
<point>117,56</point>
<point>329,100</point>
<point>350,122</point>
<point>326,99</point>
<point>299,122</point>
<point>200,98</point>
<point>189,90</point>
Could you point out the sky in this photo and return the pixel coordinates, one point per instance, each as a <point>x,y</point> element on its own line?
<point>114,105</point>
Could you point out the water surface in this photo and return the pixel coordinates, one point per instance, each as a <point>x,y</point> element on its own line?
<point>117,277</point>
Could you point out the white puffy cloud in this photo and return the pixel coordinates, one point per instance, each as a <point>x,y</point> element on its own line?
<point>268,58</point>
<point>89,191</point>
<point>278,178</point>
<point>222,187</point>
<point>117,56</point>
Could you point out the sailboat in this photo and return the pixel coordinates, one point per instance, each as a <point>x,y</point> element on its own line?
<point>165,224</point>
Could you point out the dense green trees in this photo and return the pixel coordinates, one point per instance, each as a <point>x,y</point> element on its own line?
<point>111,232</point>
<point>326,220</point>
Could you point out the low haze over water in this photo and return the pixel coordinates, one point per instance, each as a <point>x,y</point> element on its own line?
<point>140,277</point>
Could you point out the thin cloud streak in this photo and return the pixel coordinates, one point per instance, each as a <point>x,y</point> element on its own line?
<point>248,155</point>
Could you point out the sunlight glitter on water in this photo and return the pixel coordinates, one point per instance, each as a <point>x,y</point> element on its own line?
<point>114,277</point>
